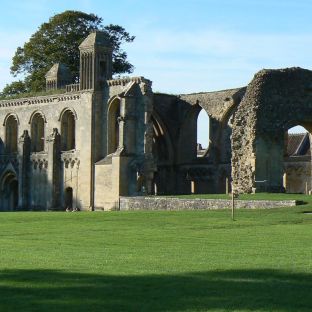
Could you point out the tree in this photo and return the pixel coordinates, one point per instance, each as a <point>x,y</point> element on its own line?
<point>58,41</point>
<point>15,87</point>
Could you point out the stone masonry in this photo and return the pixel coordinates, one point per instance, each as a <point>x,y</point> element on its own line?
<point>103,138</point>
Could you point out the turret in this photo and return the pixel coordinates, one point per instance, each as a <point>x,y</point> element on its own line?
<point>57,77</point>
<point>95,61</point>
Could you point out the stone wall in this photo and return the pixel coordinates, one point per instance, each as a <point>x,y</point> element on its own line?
<point>218,103</point>
<point>176,119</point>
<point>75,168</point>
<point>297,176</point>
<point>275,101</point>
<point>167,203</point>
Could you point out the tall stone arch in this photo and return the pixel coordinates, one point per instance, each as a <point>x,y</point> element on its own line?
<point>11,123</point>
<point>37,123</point>
<point>188,135</point>
<point>68,119</point>
<point>275,101</point>
<point>113,115</point>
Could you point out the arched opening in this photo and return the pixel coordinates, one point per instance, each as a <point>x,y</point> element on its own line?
<point>68,131</point>
<point>11,128</point>
<point>297,129</point>
<point>163,154</point>
<point>160,149</point>
<point>68,200</point>
<point>37,133</point>
<point>10,192</point>
<point>203,129</point>
<point>297,160</point>
<point>113,126</point>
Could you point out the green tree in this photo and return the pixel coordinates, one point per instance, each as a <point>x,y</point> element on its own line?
<point>58,41</point>
<point>13,88</point>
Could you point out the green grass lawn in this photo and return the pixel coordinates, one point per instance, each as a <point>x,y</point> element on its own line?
<point>157,261</point>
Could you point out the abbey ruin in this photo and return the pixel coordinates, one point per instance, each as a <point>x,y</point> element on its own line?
<point>103,138</point>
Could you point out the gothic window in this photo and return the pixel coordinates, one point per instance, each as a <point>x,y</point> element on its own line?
<point>113,126</point>
<point>68,130</point>
<point>203,135</point>
<point>37,133</point>
<point>11,134</point>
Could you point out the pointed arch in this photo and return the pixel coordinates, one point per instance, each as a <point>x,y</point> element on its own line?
<point>113,115</point>
<point>8,175</point>
<point>162,142</point>
<point>9,190</point>
<point>202,133</point>
<point>188,135</point>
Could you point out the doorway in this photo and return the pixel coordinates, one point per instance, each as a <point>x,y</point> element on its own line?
<point>69,198</point>
<point>10,192</point>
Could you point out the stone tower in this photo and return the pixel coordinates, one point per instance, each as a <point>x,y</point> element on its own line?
<point>95,61</point>
<point>57,77</point>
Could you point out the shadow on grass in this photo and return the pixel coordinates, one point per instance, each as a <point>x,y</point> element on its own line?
<point>263,290</point>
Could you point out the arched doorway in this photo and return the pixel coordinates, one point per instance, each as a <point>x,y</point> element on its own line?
<point>10,192</point>
<point>68,198</point>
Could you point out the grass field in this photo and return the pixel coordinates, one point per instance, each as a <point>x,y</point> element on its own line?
<point>157,261</point>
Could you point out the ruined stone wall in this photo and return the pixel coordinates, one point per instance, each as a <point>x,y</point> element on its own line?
<point>179,115</point>
<point>297,175</point>
<point>216,103</point>
<point>167,203</point>
<point>275,101</point>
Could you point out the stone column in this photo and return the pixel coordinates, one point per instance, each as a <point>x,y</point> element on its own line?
<point>129,129</point>
<point>54,170</point>
<point>149,163</point>
<point>24,171</point>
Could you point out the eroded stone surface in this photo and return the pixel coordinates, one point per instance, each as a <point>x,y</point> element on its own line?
<point>275,101</point>
<point>161,203</point>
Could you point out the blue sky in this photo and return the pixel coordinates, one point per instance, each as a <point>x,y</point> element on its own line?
<point>183,46</point>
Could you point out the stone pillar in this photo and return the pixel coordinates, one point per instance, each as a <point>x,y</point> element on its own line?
<point>193,187</point>
<point>149,164</point>
<point>128,125</point>
<point>285,181</point>
<point>24,171</point>
<point>54,170</point>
